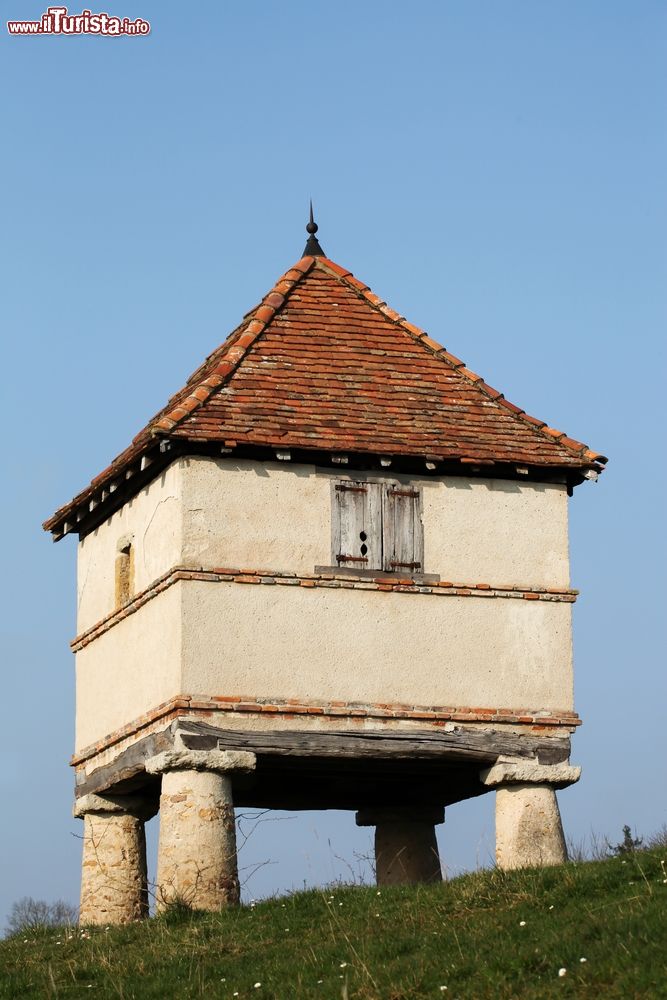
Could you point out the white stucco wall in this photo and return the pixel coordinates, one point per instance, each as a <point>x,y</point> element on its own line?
<point>203,512</point>
<point>129,670</point>
<point>153,522</point>
<point>292,642</point>
<point>497,531</point>
<point>255,515</point>
<point>278,516</point>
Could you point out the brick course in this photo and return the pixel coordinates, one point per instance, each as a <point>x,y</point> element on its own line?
<point>291,708</point>
<point>312,580</point>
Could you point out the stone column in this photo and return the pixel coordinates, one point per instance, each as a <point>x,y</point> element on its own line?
<point>406,849</point>
<point>529,832</point>
<point>114,886</point>
<point>197,847</point>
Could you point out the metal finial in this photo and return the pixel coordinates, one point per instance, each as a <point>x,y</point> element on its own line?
<point>313,248</point>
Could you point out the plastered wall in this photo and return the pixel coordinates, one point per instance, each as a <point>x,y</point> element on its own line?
<point>293,642</point>
<point>152,520</point>
<point>497,531</point>
<point>254,514</point>
<point>278,516</point>
<point>130,669</point>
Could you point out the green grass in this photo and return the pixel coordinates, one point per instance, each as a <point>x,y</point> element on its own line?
<point>355,943</point>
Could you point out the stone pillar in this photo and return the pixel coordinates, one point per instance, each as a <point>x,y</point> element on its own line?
<point>406,849</point>
<point>114,887</point>
<point>197,847</point>
<point>529,832</point>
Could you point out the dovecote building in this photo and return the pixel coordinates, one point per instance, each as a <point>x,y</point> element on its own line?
<point>331,573</point>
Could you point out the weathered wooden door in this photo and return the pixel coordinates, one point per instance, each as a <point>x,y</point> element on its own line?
<point>403,536</point>
<point>357,528</point>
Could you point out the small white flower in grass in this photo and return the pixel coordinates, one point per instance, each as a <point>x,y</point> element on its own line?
<point>443,988</point>
<point>562,972</point>
<point>522,923</point>
<point>340,904</point>
<point>343,965</point>
<point>378,893</point>
<point>235,994</point>
<point>583,959</point>
<point>551,907</point>
<point>257,986</point>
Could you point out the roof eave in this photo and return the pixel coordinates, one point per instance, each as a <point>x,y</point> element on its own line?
<point>120,482</point>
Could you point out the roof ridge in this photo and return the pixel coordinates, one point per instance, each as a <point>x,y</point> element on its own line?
<point>420,336</point>
<point>253,325</point>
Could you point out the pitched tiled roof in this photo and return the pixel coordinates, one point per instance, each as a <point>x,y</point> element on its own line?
<point>323,363</point>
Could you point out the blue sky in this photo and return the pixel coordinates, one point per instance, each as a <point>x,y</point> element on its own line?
<point>494,170</point>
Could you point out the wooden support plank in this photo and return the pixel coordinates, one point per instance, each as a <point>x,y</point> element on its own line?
<point>458,744</point>
<point>127,768</point>
<point>299,753</point>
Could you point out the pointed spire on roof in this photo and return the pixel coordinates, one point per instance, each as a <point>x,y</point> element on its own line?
<point>313,248</point>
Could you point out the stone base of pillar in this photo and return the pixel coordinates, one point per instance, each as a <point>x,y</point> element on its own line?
<point>114,886</point>
<point>529,832</point>
<point>197,863</point>
<point>406,849</point>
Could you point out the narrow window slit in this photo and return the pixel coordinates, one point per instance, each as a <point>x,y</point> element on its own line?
<point>124,572</point>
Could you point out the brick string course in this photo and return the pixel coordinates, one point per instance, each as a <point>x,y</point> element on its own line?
<point>292,708</point>
<point>396,585</point>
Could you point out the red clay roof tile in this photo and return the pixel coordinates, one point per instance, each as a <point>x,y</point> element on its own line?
<point>323,363</point>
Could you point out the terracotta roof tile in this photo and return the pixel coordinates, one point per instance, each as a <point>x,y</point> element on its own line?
<point>323,363</point>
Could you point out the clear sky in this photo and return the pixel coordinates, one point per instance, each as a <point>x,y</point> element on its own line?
<point>495,170</point>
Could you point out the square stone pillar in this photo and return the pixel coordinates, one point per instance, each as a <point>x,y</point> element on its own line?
<point>114,887</point>
<point>406,849</point>
<point>197,862</point>
<point>529,831</point>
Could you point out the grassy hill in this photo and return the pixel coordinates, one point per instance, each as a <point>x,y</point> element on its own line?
<point>489,934</point>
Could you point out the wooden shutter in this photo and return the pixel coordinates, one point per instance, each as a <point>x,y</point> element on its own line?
<point>357,529</point>
<point>403,533</point>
